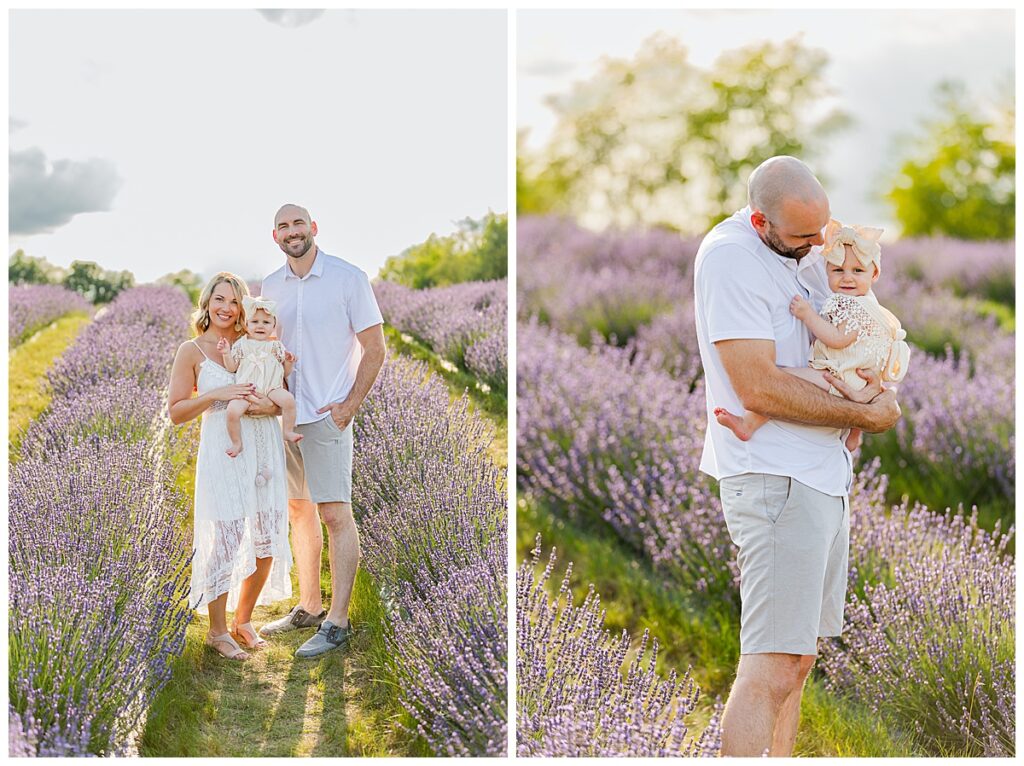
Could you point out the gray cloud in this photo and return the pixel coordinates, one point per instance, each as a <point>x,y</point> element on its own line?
<point>44,198</point>
<point>291,17</point>
<point>547,67</point>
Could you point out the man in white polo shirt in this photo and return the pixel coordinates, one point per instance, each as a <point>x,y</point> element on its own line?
<point>785,491</point>
<point>330,320</point>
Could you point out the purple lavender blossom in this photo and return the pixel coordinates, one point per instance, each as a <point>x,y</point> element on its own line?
<point>98,548</point>
<point>31,307</point>
<point>448,319</point>
<point>433,527</point>
<point>572,697</point>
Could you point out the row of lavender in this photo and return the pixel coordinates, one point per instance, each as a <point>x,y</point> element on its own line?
<point>464,323</point>
<point>434,524</point>
<point>613,434</point>
<point>31,307</point>
<point>955,442</point>
<point>98,544</point>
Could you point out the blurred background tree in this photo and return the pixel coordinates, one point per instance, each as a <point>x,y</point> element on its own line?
<point>26,270</point>
<point>478,250</point>
<point>960,180</point>
<point>96,284</point>
<point>188,281</point>
<point>656,140</point>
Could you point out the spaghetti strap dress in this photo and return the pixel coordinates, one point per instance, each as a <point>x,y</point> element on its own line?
<point>241,504</point>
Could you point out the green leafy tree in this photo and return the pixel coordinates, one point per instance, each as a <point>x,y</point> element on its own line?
<point>478,250</point>
<point>97,285</point>
<point>655,140</point>
<point>961,180</point>
<point>187,280</point>
<point>24,269</point>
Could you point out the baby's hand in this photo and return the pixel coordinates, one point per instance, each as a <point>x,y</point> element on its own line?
<point>800,307</point>
<point>223,346</point>
<point>290,357</point>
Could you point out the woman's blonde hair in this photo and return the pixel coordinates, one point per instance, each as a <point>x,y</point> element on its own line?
<point>201,316</point>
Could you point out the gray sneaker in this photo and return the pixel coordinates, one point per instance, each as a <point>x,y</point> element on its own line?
<point>295,619</point>
<point>328,637</point>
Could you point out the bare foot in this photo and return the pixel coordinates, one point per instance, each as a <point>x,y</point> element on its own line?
<point>291,436</point>
<point>234,450</point>
<point>733,423</point>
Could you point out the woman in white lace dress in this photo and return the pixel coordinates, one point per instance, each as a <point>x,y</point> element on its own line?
<point>240,536</point>
<point>853,331</point>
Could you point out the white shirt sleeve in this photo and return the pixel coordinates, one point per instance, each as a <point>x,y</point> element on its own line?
<point>361,305</point>
<point>736,295</point>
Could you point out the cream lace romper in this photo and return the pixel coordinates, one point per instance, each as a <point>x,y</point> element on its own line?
<point>260,362</point>
<point>880,343</point>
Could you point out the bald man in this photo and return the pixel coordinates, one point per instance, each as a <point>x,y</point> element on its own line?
<point>785,491</point>
<point>330,320</point>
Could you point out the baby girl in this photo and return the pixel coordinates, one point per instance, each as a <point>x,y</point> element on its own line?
<point>852,331</point>
<point>263,362</point>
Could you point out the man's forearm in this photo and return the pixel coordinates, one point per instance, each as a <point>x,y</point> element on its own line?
<point>786,397</point>
<point>366,374</point>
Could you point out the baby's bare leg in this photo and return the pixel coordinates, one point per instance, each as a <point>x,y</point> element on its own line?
<point>286,402</point>
<point>743,425</point>
<point>236,408</point>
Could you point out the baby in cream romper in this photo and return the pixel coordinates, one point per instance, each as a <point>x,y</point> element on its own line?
<point>263,362</point>
<point>852,331</point>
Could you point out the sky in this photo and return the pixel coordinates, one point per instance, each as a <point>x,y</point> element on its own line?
<point>884,66</point>
<point>156,141</point>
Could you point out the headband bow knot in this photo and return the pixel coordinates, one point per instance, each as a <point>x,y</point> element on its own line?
<point>863,240</point>
<point>250,304</point>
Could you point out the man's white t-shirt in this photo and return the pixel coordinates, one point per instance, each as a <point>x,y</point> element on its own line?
<point>318,317</point>
<point>742,289</point>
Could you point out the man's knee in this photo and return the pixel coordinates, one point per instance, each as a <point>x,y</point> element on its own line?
<point>300,511</point>
<point>779,675</point>
<point>337,517</point>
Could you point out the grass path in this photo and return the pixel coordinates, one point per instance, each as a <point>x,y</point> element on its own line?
<point>276,705</point>
<point>28,362</point>
<point>636,597</point>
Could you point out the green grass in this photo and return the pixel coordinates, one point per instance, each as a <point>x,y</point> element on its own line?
<point>343,704</point>
<point>28,394</point>
<point>637,597</point>
<point>277,705</point>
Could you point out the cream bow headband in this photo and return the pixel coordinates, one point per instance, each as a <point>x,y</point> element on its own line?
<point>863,240</point>
<point>250,304</point>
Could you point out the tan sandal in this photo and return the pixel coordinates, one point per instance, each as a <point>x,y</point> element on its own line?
<point>246,634</point>
<point>234,651</point>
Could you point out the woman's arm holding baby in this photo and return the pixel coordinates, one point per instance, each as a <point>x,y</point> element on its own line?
<point>831,335</point>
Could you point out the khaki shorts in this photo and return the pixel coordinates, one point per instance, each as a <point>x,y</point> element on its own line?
<point>794,547</point>
<point>320,466</point>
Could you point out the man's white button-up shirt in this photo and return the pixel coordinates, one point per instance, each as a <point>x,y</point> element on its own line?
<point>318,317</point>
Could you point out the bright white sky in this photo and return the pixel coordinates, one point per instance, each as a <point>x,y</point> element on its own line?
<point>884,66</point>
<point>188,129</point>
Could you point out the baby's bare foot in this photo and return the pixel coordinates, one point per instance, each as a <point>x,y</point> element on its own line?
<point>292,437</point>
<point>234,450</point>
<point>733,423</point>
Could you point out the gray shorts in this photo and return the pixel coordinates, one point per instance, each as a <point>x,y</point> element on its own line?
<point>794,545</point>
<point>320,466</point>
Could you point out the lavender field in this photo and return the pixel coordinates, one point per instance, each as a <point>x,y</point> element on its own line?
<point>465,324</point>
<point>31,307</point>
<point>100,543</point>
<point>611,415</point>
